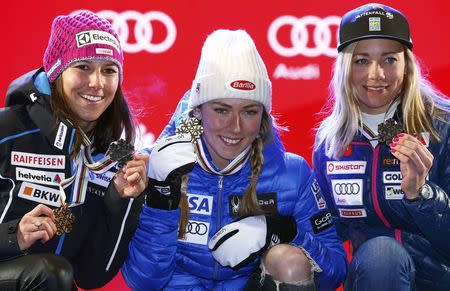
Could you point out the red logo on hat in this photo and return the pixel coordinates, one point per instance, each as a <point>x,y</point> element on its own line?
<point>243,85</point>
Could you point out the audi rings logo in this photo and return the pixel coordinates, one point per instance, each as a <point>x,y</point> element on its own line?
<point>299,35</point>
<point>143,30</point>
<point>346,188</point>
<point>199,228</point>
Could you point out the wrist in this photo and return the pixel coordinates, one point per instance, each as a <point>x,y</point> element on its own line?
<point>425,192</point>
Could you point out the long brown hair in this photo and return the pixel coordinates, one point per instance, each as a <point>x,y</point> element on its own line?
<point>109,126</point>
<point>249,204</point>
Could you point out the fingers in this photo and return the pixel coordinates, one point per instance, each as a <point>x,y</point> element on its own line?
<point>41,210</point>
<point>38,224</point>
<point>132,179</point>
<point>407,149</point>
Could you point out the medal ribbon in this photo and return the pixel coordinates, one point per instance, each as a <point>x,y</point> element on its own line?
<point>83,164</point>
<point>233,167</point>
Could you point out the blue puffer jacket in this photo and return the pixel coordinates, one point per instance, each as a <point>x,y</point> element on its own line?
<point>157,260</point>
<point>363,192</point>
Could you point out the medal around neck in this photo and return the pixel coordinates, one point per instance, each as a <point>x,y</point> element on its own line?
<point>192,127</point>
<point>389,130</point>
<point>63,219</point>
<point>121,152</point>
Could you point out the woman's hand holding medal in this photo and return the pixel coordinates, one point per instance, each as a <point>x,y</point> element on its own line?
<point>38,224</point>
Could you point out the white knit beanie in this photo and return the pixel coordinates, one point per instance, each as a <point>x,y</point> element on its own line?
<point>231,67</point>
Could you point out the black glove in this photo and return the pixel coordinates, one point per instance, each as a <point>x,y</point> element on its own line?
<point>240,242</point>
<point>171,158</point>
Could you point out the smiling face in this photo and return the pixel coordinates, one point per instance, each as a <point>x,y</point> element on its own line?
<point>230,126</point>
<point>378,68</point>
<point>89,88</point>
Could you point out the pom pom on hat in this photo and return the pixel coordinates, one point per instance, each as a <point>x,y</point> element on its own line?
<point>77,37</point>
<point>231,67</point>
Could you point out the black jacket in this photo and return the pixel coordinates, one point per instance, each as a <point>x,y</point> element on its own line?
<point>32,157</point>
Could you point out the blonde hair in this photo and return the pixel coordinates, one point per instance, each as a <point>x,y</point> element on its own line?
<point>249,204</point>
<point>419,99</point>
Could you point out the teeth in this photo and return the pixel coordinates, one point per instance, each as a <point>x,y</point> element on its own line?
<point>232,141</point>
<point>375,88</point>
<point>91,98</point>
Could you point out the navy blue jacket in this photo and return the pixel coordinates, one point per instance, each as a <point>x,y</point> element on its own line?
<point>363,192</point>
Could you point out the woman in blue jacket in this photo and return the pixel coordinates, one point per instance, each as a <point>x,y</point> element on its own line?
<point>244,193</point>
<point>382,157</point>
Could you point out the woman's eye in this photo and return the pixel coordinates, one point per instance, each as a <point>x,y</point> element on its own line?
<point>361,61</point>
<point>390,60</point>
<point>82,67</point>
<point>220,110</point>
<point>251,112</point>
<point>110,71</point>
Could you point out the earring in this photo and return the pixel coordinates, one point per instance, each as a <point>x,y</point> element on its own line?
<point>197,114</point>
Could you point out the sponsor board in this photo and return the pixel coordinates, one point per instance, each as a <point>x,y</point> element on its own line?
<point>392,177</point>
<point>196,232</point>
<point>321,222</point>
<point>267,202</point>
<point>393,192</point>
<point>38,161</point>
<point>39,194</point>
<point>352,213</point>
<point>315,189</point>
<point>347,192</point>
<point>200,204</point>
<point>39,177</point>
<point>346,167</point>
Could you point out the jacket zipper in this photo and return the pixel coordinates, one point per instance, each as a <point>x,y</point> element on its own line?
<point>218,219</point>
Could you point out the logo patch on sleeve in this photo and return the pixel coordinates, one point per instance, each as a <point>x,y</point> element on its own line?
<point>200,204</point>
<point>315,189</point>
<point>39,194</point>
<point>321,222</point>
<point>196,232</point>
<point>267,202</point>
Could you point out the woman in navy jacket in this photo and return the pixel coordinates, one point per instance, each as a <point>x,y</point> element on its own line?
<point>382,157</point>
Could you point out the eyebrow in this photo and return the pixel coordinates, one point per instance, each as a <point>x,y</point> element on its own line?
<point>107,63</point>
<point>229,106</point>
<point>383,54</point>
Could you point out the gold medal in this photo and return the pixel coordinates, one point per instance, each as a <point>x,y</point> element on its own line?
<point>190,126</point>
<point>63,219</point>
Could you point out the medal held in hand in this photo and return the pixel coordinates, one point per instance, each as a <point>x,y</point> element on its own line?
<point>121,151</point>
<point>190,126</point>
<point>63,219</point>
<point>389,130</point>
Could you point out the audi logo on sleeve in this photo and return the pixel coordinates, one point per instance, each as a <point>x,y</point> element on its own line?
<point>322,35</point>
<point>142,31</point>
<point>196,232</point>
<point>347,192</point>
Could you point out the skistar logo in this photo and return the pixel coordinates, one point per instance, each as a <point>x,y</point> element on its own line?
<point>242,85</point>
<point>346,167</point>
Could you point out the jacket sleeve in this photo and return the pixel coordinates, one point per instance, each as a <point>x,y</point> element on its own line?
<point>316,232</point>
<point>106,246</point>
<point>181,112</point>
<point>432,217</point>
<point>319,168</point>
<point>151,257</point>
<point>9,247</point>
